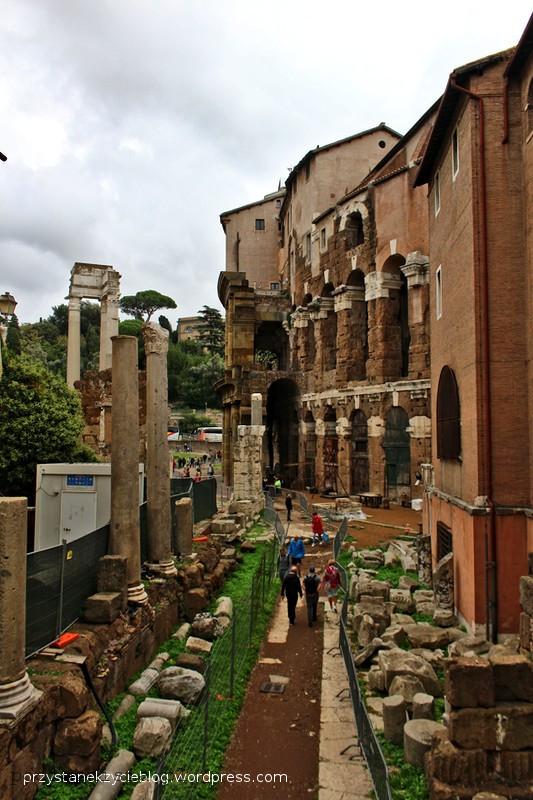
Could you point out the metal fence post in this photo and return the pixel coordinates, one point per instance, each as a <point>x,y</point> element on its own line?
<point>252,610</point>
<point>232,662</point>
<point>206,718</point>
<point>59,623</point>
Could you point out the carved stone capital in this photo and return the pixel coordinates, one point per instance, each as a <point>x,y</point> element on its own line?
<point>416,269</point>
<point>155,339</point>
<point>380,284</point>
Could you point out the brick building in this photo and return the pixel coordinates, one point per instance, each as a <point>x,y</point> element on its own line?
<point>335,336</point>
<point>478,165</point>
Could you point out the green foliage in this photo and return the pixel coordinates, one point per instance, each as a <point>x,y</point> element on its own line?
<point>407,782</point>
<point>266,357</point>
<point>143,304</point>
<point>13,336</point>
<point>190,421</point>
<point>40,422</point>
<point>165,323</point>
<point>133,327</point>
<point>393,573</point>
<point>422,618</point>
<point>192,373</point>
<point>438,708</point>
<point>212,335</point>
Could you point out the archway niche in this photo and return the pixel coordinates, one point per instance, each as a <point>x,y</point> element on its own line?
<point>282,429</point>
<point>357,369</point>
<point>359,453</point>
<point>396,444</point>
<point>307,298</point>
<point>354,230</point>
<point>310,449</point>
<point>330,450</point>
<point>399,315</point>
<point>271,346</point>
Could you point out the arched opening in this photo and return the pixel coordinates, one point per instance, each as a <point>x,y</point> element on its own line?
<point>357,368</point>
<point>355,234</point>
<point>330,450</point>
<point>271,346</point>
<point>307,298</point>
<point>448,416</point>
<point>310,450</point>
<point>359,453</point>
<point>400,313</point>
<point>282,429</point>
<point>396,444</point>
<point>329,333</point>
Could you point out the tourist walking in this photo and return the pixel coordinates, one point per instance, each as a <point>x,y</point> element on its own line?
<point>311,586</point>
<point>332,581</point>
<point>288,506</point>
<point>291,588</point>
<point>277,486</point>
<point>317,527</point>
<point>283,563</point>
<point>296,552</point>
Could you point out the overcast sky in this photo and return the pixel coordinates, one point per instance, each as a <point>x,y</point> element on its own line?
<point>129,125</point>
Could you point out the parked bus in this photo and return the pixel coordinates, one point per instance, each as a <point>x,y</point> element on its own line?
<point>209,434</point>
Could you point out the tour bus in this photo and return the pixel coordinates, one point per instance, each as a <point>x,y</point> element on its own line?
<point>209,434</point>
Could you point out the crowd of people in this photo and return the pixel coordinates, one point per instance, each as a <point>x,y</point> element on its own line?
<point>196,467</point>
<point>290,566</point>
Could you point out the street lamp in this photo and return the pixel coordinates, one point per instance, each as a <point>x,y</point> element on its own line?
<point>8,305</point>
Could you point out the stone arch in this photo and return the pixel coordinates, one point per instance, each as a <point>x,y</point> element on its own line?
<point>328,290</point>
<point>271,345</point>
<point>396,444</point>
<point>359,326</point>
<point>359,471</point>
<point>307,298</point>
<point>400,311</point>
<point>282,429</point>
<point>328,329</point>
<point>353,227</point>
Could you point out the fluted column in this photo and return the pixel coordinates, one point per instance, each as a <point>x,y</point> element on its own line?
<point>158,483</point>
<point>17,694</point>
<point>125,529</point>
<point>73,340</point>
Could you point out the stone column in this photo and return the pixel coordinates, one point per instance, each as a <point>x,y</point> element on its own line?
<point>73,340</point>
<point>425,567</point>
<point>17,695</point>
<point>157,478</point>
<point>125,529</point>
<point>344,455</point>
<point>257,409</point>
<point>416,271</point>
<point>184,526</point>
<point>350,306</point>
<point>247,458</point>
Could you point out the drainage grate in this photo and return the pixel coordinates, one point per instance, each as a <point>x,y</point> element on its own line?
<point>272,688</point>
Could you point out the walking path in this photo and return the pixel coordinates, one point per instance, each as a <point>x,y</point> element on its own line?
<point>302,732</point>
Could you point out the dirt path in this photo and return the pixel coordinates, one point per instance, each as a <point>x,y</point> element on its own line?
<point>280,733</point>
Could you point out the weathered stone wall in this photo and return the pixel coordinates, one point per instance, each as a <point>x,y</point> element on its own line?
<point>95,395</point>
<point>66,725</point>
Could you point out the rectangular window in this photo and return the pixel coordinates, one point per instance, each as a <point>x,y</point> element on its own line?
<point>455,154</point>
<point>323,239</point>
<point>438,293</point>
<point>260,224</point>
<point>275,286</point>
<point>308,245</point>
<point>437,193</point>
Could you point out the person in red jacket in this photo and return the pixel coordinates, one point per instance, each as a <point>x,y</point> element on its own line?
<point>318,527</point>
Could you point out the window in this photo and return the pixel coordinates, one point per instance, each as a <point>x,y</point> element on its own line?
<point>354,230</point>
<point>448,416</point>
<point>438,293</point>
<point>455,154</point>
<point>308,246</point>
<point>275,286</point>
<point>437,193</point>
<point>323,239</point>
<point>260,224</point>
<point>444,540</point>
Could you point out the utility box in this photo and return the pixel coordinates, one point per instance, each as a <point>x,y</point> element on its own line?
<point>72,500</point>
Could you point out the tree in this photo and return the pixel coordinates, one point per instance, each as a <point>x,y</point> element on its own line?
<point>165,323</point>
<point>212,334</point>
<point>133,327</point>
<point>13,336</point>
<point>40,422</point>
<point>143,304</point>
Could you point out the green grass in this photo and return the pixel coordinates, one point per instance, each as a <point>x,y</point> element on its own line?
<point>406,781</point>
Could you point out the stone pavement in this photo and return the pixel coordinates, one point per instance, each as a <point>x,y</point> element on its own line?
<point>343,774</point>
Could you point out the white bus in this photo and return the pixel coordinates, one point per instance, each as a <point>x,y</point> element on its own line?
<point>209,434</point>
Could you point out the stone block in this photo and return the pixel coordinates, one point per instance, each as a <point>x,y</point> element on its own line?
<point>467,644</point>
<point>452,766</point>
<point>200,646</point>
<point>111,785</point>
<point>417,736</point>
<point>224,607</point>
<point>112,576</point>
<point>406,686</point>
<point>181,684</point>
<point>422,706</point>
<point>194,601</point>
<point>469,683</point>
<point>376,679</point>
<point>399,662</point>
<point>503,727</point>
<point>103,608</point>
<point>223,527</point>
<point>152,737</point>
<point>191,661</point>
<point>144,682</point>
<point>183,632</point>
<point>172,710</point>
<point>526,594</point>
<point>444,617</point>
<point>80,736</point>
<point>514,766</point>
<point>513,677</point>
<point>394,718</point>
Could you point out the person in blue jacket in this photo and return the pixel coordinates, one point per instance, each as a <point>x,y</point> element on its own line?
<point>296,552</point>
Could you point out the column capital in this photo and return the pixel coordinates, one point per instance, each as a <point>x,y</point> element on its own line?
<point>155,339</point>
<point>380,284</point>
<point>74,303</point>
<point>346,296</point>
<point>416,269</point>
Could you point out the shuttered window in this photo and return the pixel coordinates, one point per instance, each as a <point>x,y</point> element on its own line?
<point>448,416</point>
